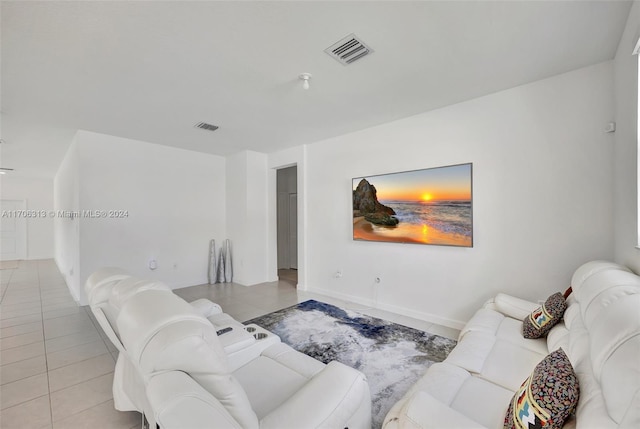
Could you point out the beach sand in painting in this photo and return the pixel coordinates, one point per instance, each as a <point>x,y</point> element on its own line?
<point>406,233</point>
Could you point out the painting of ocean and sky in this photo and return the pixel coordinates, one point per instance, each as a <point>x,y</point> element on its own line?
<point>430,206</point>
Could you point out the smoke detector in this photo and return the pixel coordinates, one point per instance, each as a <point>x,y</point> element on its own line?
<point>348,50</point>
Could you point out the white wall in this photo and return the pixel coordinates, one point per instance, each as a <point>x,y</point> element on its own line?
<point>542,198</point>
<point>247,216</point>
<point>175,200</point>
<point>38,194</point>
<point>66,195</point>
<point>626,145</point>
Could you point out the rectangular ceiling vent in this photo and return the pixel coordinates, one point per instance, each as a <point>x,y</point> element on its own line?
<point>348,50</point>
<point>205,126</point>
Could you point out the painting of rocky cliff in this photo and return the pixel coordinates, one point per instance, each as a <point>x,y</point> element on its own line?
<point>429,206</point>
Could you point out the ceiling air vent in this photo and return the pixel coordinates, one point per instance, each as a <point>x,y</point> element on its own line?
<point>348,50</point>
<point>205,126</point>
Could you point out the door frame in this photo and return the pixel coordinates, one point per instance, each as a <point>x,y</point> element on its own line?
<point>293,202</point>
<point>288,158</point>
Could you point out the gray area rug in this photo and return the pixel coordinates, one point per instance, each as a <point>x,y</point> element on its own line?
<point>392,356</point>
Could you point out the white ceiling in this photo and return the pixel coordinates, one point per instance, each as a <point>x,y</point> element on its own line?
<point>150,70</point>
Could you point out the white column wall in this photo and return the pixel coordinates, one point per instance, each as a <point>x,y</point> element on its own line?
<point>247,208</point>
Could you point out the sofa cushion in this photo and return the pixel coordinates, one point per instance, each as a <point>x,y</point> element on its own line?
<point>502,362</point>
<point>503,328</point>
<point>541,320</point>
<point>464,393</point>
<point>267,393</point>
<point>421,411</point>
<point>547,397</point>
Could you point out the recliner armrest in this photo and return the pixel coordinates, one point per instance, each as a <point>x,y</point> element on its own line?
<point>511,306</point>
<point>205,307</point>
<point>331,398</point>
<point>179,402</point>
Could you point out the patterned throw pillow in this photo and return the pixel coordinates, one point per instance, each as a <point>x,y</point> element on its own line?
<point>542,319</point>
<point>547,397</point>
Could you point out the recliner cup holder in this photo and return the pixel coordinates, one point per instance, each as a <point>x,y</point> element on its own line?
<point>260,336</point>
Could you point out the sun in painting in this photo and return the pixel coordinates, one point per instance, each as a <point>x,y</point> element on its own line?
<point>427,197</point>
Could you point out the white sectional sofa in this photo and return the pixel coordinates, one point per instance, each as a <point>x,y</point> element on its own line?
<point>600,334</point>
<point>179,368</point>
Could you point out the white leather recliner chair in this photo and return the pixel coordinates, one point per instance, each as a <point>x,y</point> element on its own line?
<point>107,289</point>
<point>192,382</point>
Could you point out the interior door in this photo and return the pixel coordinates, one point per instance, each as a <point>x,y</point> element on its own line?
<point>293,231</point>
<point>283,230</point>
<point>13,230</point>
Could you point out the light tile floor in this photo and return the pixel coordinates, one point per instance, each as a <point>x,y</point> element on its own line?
<point>56,364</point>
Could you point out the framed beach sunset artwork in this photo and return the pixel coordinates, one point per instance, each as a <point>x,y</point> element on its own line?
<point>429,206</point>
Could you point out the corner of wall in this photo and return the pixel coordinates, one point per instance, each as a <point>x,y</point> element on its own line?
<point>66,223</point>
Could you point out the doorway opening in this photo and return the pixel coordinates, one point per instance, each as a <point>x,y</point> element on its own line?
<point>13,234</point>
<point>287,224</point>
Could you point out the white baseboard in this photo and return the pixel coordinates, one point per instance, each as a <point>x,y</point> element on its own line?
<point>427,317</point>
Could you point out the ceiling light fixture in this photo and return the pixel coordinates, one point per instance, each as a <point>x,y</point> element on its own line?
<point>305,77</point>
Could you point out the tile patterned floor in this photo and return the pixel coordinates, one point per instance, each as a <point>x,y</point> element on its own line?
<point>56,365</point>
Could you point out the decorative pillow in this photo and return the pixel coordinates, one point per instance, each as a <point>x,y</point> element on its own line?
<point>542,319</point>
<point>567,292</point>
<point>547,397</point>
